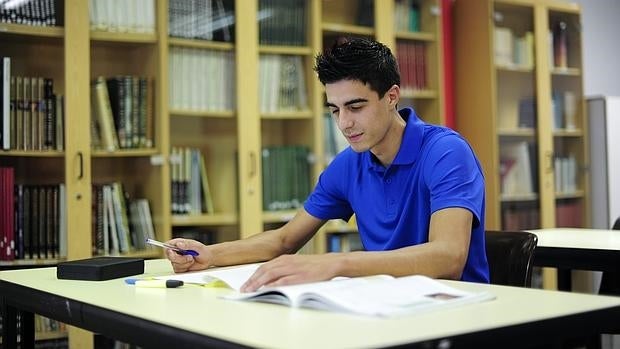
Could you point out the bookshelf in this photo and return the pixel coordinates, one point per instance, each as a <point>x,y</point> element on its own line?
<point>520,104</point>
<point>226,122</point>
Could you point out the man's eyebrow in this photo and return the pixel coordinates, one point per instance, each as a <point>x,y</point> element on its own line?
<point>353,101</point>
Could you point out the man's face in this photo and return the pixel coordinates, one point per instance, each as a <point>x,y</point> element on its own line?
<point>361,116</point>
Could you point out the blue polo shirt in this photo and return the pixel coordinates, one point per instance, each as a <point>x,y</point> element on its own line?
<point>435,168</point>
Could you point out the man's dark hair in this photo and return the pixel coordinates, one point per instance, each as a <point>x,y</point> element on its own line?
<point>361,59</point>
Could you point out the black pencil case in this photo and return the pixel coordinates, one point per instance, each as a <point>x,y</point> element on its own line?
<point>100,268</point>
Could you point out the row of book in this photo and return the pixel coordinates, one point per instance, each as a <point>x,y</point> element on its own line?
<point>282,83</point>
<point>120,224</point>
<point>565,171</point>
<point>411,58</point>
<point>33,219</point>
<point>202,80</point>
<point>211,20</point>
<point>564,107</point>
<point>517,217</point>
<point>31,114</point>
<point>344,242</point>
<point>569,213</point>
<point>207,237</point>
<point>122,112</point>
<point>282,22</point>
<point>123,16</point>
<point>190,185</point>
<point>512,50</point>
<point>32,12</point>
<point>286,177</point>
<point>407,16</point>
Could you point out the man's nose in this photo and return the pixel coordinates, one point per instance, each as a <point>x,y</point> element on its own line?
<point>345,120</point>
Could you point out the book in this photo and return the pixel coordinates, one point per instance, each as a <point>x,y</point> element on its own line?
<point>377,295</point>
<point>5,104</point>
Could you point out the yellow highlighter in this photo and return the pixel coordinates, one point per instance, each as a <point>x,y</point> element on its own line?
<point>152,283</point>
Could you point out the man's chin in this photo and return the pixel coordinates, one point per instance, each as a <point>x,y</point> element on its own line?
<point>358,148</point>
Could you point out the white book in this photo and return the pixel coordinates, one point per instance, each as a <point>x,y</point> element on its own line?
<point>221,77</point>
<point>504,46</point>
<point>231,81</point>
<point>570,110</point>
<point>173,70</point>
<point>378,295</point>
<point>517,178</point>
<point>149,15</point>
<point>202,79</point>
<point>5,113</point>
<point>186,77</point>
<point>209,79</point>
<point>302,97</point>
<point>274,83</point>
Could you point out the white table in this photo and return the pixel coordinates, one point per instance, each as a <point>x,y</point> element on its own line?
<point>192,316</point>
<point>577,248</point>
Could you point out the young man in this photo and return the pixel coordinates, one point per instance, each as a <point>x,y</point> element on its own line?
<point>417,190</point>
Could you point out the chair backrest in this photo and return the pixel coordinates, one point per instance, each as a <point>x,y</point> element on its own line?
<point>510,255</point>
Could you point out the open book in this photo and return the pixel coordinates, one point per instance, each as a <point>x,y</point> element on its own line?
<point>379,295</point>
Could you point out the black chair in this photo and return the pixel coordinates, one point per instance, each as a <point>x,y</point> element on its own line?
<point>510,255</point>
<point>610,281</point>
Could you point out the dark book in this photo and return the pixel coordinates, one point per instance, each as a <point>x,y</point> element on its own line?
<point>100,268</point>
<point>365,13</point>
<point>34,222</point>
<point>527,113</point>
<point>28,243</point>
<point>117,97</point>
<point>49,141</point>
<point>42,222</point>
<point>19,221</point>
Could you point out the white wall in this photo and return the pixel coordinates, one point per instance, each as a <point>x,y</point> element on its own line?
<point>601,48</point>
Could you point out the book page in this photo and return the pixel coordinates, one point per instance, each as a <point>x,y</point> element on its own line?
<point>399,296</point>
<point>294,294</point>
<point>234,277</point>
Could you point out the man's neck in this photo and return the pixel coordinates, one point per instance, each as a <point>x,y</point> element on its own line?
<point>387,150</point>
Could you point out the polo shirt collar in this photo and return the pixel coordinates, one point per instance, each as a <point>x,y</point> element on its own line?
<point>410,144</point>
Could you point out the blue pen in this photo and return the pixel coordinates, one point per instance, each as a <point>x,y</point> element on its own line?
<point>174,248</point>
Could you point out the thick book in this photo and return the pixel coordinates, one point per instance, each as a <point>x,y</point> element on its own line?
<point>378,295</point>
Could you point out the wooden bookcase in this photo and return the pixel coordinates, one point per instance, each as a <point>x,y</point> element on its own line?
<point>503,102</point>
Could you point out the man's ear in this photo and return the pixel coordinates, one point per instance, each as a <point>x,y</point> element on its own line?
<point>393,95</point>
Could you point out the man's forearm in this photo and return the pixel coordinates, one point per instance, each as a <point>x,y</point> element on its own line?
<point>257,248</point>
<point>433,260</point>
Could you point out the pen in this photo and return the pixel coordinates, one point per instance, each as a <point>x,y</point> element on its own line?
<point>174,248</point>
<point>154,283</point>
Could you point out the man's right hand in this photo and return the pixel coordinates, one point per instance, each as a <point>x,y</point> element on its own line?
<point>181,264</point>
